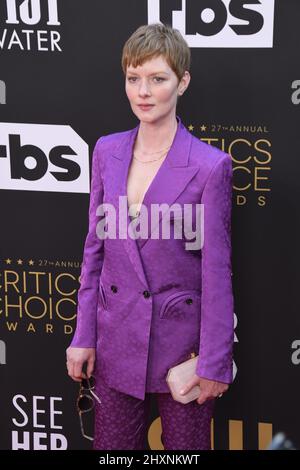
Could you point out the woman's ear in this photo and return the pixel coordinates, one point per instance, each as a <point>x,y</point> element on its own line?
<point>184,83</point>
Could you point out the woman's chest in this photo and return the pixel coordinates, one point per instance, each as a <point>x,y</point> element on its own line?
<point>140,177</point>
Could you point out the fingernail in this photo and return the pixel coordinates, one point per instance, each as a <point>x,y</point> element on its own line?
<point>182,391</point>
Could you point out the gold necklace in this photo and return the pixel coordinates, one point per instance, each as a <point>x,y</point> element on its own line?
<point>153,153</point>
<point>149,161</point>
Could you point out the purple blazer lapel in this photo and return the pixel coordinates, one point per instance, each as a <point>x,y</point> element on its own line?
<point>171,179</point>
<point>118,173</point>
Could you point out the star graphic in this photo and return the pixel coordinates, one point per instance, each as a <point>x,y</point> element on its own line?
<point>20,261</point>
<point>31,262</point>
<point>191,127</point>
<point>203,128</point>
<point>8,261</point>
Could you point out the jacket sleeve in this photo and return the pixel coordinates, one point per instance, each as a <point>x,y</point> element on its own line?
<point>217,304</point>
<point>85,335</point>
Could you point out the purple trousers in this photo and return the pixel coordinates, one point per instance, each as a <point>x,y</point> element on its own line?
<point>121,421</point>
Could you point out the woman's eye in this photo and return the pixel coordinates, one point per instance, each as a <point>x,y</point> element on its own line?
<point>156,79</point>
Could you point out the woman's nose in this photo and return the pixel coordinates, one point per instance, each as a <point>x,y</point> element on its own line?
<point>144,88</point>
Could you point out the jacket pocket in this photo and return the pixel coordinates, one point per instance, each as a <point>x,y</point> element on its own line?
<point>181,304</point>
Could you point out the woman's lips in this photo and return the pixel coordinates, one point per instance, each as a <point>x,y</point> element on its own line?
<point>145,107</point>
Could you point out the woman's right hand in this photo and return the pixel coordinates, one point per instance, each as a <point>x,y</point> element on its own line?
<point>76,358</point>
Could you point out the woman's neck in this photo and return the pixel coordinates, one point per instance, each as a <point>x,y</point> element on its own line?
<point>153,137</point>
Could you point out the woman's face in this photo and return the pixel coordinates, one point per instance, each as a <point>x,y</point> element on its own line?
<point>156,86</point>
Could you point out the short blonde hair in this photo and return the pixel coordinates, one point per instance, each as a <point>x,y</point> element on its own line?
<point>156,39</point>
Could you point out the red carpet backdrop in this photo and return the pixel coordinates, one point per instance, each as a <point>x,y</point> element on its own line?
<point>61,88</point>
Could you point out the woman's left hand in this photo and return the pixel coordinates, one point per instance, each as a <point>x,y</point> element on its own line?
<point>209,389</point>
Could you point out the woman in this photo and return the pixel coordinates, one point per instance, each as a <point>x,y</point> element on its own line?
<point>146,304</point>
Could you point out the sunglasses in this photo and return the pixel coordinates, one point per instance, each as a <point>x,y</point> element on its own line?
<point>86,401</point>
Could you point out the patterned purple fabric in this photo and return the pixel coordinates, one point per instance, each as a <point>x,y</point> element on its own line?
<point>146,304</point>
<point>121,421</point>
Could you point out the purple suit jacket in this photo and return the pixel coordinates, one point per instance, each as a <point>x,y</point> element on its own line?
<point>147,304</point>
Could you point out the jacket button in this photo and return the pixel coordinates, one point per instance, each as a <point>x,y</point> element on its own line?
<point>146,294</point>
<point>189,301</point>
<point>114,288</point>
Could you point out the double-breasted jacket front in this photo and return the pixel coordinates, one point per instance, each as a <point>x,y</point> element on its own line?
<point>146,304</point>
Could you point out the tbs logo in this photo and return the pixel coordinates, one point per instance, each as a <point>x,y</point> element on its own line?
<point>217,23</point>
<point>41,157</point>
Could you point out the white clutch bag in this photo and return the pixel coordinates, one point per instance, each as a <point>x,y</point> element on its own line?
<point>178,376</point>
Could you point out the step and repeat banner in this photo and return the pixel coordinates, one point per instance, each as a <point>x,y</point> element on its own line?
<point>61,88</point>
